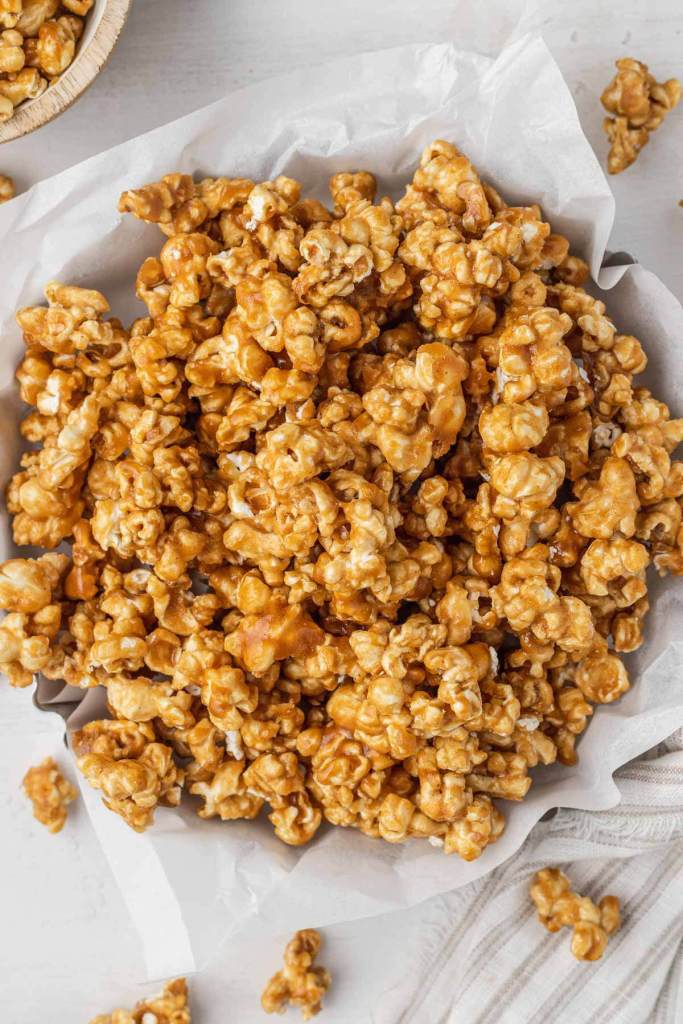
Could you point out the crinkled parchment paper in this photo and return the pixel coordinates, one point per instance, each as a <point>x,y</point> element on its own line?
<point>190,883</point>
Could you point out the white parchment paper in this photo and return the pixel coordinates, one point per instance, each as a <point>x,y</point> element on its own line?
<point>189,884</point>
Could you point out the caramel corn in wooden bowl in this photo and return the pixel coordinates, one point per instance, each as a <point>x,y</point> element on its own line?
<point>50,52</point>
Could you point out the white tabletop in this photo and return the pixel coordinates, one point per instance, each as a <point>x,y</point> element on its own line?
<point>67,948</point>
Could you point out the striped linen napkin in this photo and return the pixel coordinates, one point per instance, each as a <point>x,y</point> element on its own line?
<point>483,958</point>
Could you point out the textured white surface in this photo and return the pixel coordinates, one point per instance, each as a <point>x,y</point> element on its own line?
<point>67,949</point>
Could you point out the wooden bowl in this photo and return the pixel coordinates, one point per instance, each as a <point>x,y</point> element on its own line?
<point>102,29</point>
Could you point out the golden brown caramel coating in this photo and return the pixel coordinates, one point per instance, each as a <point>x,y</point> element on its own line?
<point>299,983</point>
<point>169,1007</point>
<point>638,104</point>
<point>359,514</point>
<point>7,190</point>
<point>50,793</point>
<point>134,773</point>
<point>558,906</point>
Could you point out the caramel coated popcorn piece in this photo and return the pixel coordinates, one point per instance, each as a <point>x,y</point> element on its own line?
<point>31,591</point>
<point>10,12</point>
<point>299,982</point>
<point>6,188</point>
<point>50,793</point>
<point>480,825</point>
<point>639,104</point>
<point>134,772</point>
<point>559,906</point>
<point>33,14</point>
<point>358,515</point>
<point>170,1007</point>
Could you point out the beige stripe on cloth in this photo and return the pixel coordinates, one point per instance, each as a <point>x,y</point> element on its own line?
<point>484,959</point>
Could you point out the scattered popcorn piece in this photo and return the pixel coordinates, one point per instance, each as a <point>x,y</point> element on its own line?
<point>559,906</point>
<point>170,1007</point>
<point>6,188</point>
<point>299,982</point>
<point>639,104</point>
<point>50,793</point>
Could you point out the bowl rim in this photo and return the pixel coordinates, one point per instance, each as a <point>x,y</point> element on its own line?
<point>80,74</point>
